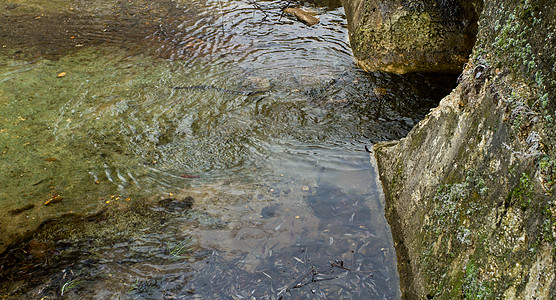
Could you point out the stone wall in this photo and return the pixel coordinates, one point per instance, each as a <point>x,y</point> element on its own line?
<point>470,191</point>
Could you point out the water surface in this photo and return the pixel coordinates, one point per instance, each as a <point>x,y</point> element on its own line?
<point>249,180</point>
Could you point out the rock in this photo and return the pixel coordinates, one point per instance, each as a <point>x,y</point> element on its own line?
<point>303,16</point>
<point>255,83</point>
<point>39,250</point>
<point>470,191</point>
<point>17,211</point>
<point>412,36</point>
<point>174,205</point>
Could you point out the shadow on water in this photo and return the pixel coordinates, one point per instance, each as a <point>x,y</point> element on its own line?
<point>265,243</point>
<point>249,180</point>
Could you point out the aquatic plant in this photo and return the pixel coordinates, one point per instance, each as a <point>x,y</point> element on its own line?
<point>178,251</point>
<point>69,285</point>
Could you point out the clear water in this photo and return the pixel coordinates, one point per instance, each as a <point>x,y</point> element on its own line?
<point>249,181</point>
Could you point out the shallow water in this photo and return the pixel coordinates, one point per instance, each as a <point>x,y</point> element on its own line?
<point>251,180</point>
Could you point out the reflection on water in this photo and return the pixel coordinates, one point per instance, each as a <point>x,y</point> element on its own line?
<point>248,180</point>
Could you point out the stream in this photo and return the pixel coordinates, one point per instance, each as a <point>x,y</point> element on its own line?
<point>194,149</point>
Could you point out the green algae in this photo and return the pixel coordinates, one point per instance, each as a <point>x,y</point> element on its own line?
<point>35,6</point>
<point>86,135</point>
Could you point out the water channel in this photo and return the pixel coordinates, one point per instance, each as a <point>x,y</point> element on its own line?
<point>194,149</point>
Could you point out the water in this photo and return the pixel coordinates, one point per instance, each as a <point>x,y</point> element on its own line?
<point>251,180</point>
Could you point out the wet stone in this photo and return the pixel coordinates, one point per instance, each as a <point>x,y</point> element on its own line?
<point>269,211</point>
<point>17,211</point>
<point>174,205</point>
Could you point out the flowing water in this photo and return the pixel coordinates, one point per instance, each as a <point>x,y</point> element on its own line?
<point>193,149</point>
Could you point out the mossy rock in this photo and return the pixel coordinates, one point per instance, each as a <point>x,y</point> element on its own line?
<point>412,36</point>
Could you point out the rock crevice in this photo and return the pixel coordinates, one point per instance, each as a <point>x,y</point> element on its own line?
<point>470,191</point>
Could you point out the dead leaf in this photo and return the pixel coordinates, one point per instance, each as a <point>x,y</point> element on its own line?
<point>301,15</point>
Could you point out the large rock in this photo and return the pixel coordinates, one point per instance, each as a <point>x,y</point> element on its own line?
<point>470,192</point>
<point>412,36</point>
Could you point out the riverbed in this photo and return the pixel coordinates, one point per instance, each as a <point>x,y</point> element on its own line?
<point>194,149</point>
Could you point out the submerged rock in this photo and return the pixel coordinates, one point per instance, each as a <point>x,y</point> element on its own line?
<point>176,205</point>
<point>412,36</point>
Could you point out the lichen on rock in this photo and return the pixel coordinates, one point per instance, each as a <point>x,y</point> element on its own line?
<point>412,36</point>
<point>470,191</point>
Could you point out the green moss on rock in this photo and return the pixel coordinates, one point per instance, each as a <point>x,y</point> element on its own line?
<point>412,36</point>
<point>474,201</point>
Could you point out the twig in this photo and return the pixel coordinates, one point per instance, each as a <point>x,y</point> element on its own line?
<point>221,14</point>
<point>297,282</point>
<point>284,8</point>
<point>257,6</point>
<point>300,280</point>
<point>339,265</point>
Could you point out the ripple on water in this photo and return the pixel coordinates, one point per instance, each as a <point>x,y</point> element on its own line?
<point>281,185</point>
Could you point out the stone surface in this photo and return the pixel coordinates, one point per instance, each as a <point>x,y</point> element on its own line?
<point>470,191</point>
<point>412,36</point>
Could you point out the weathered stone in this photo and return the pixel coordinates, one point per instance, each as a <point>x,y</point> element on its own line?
<point>412,36</point>
<point>470,191</point>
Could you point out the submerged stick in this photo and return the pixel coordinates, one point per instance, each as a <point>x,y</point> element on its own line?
<point>284,8</point>
<point>297,283</point>
<point>339,264</point>
<point>257,6</point>
<point>300,280</point>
